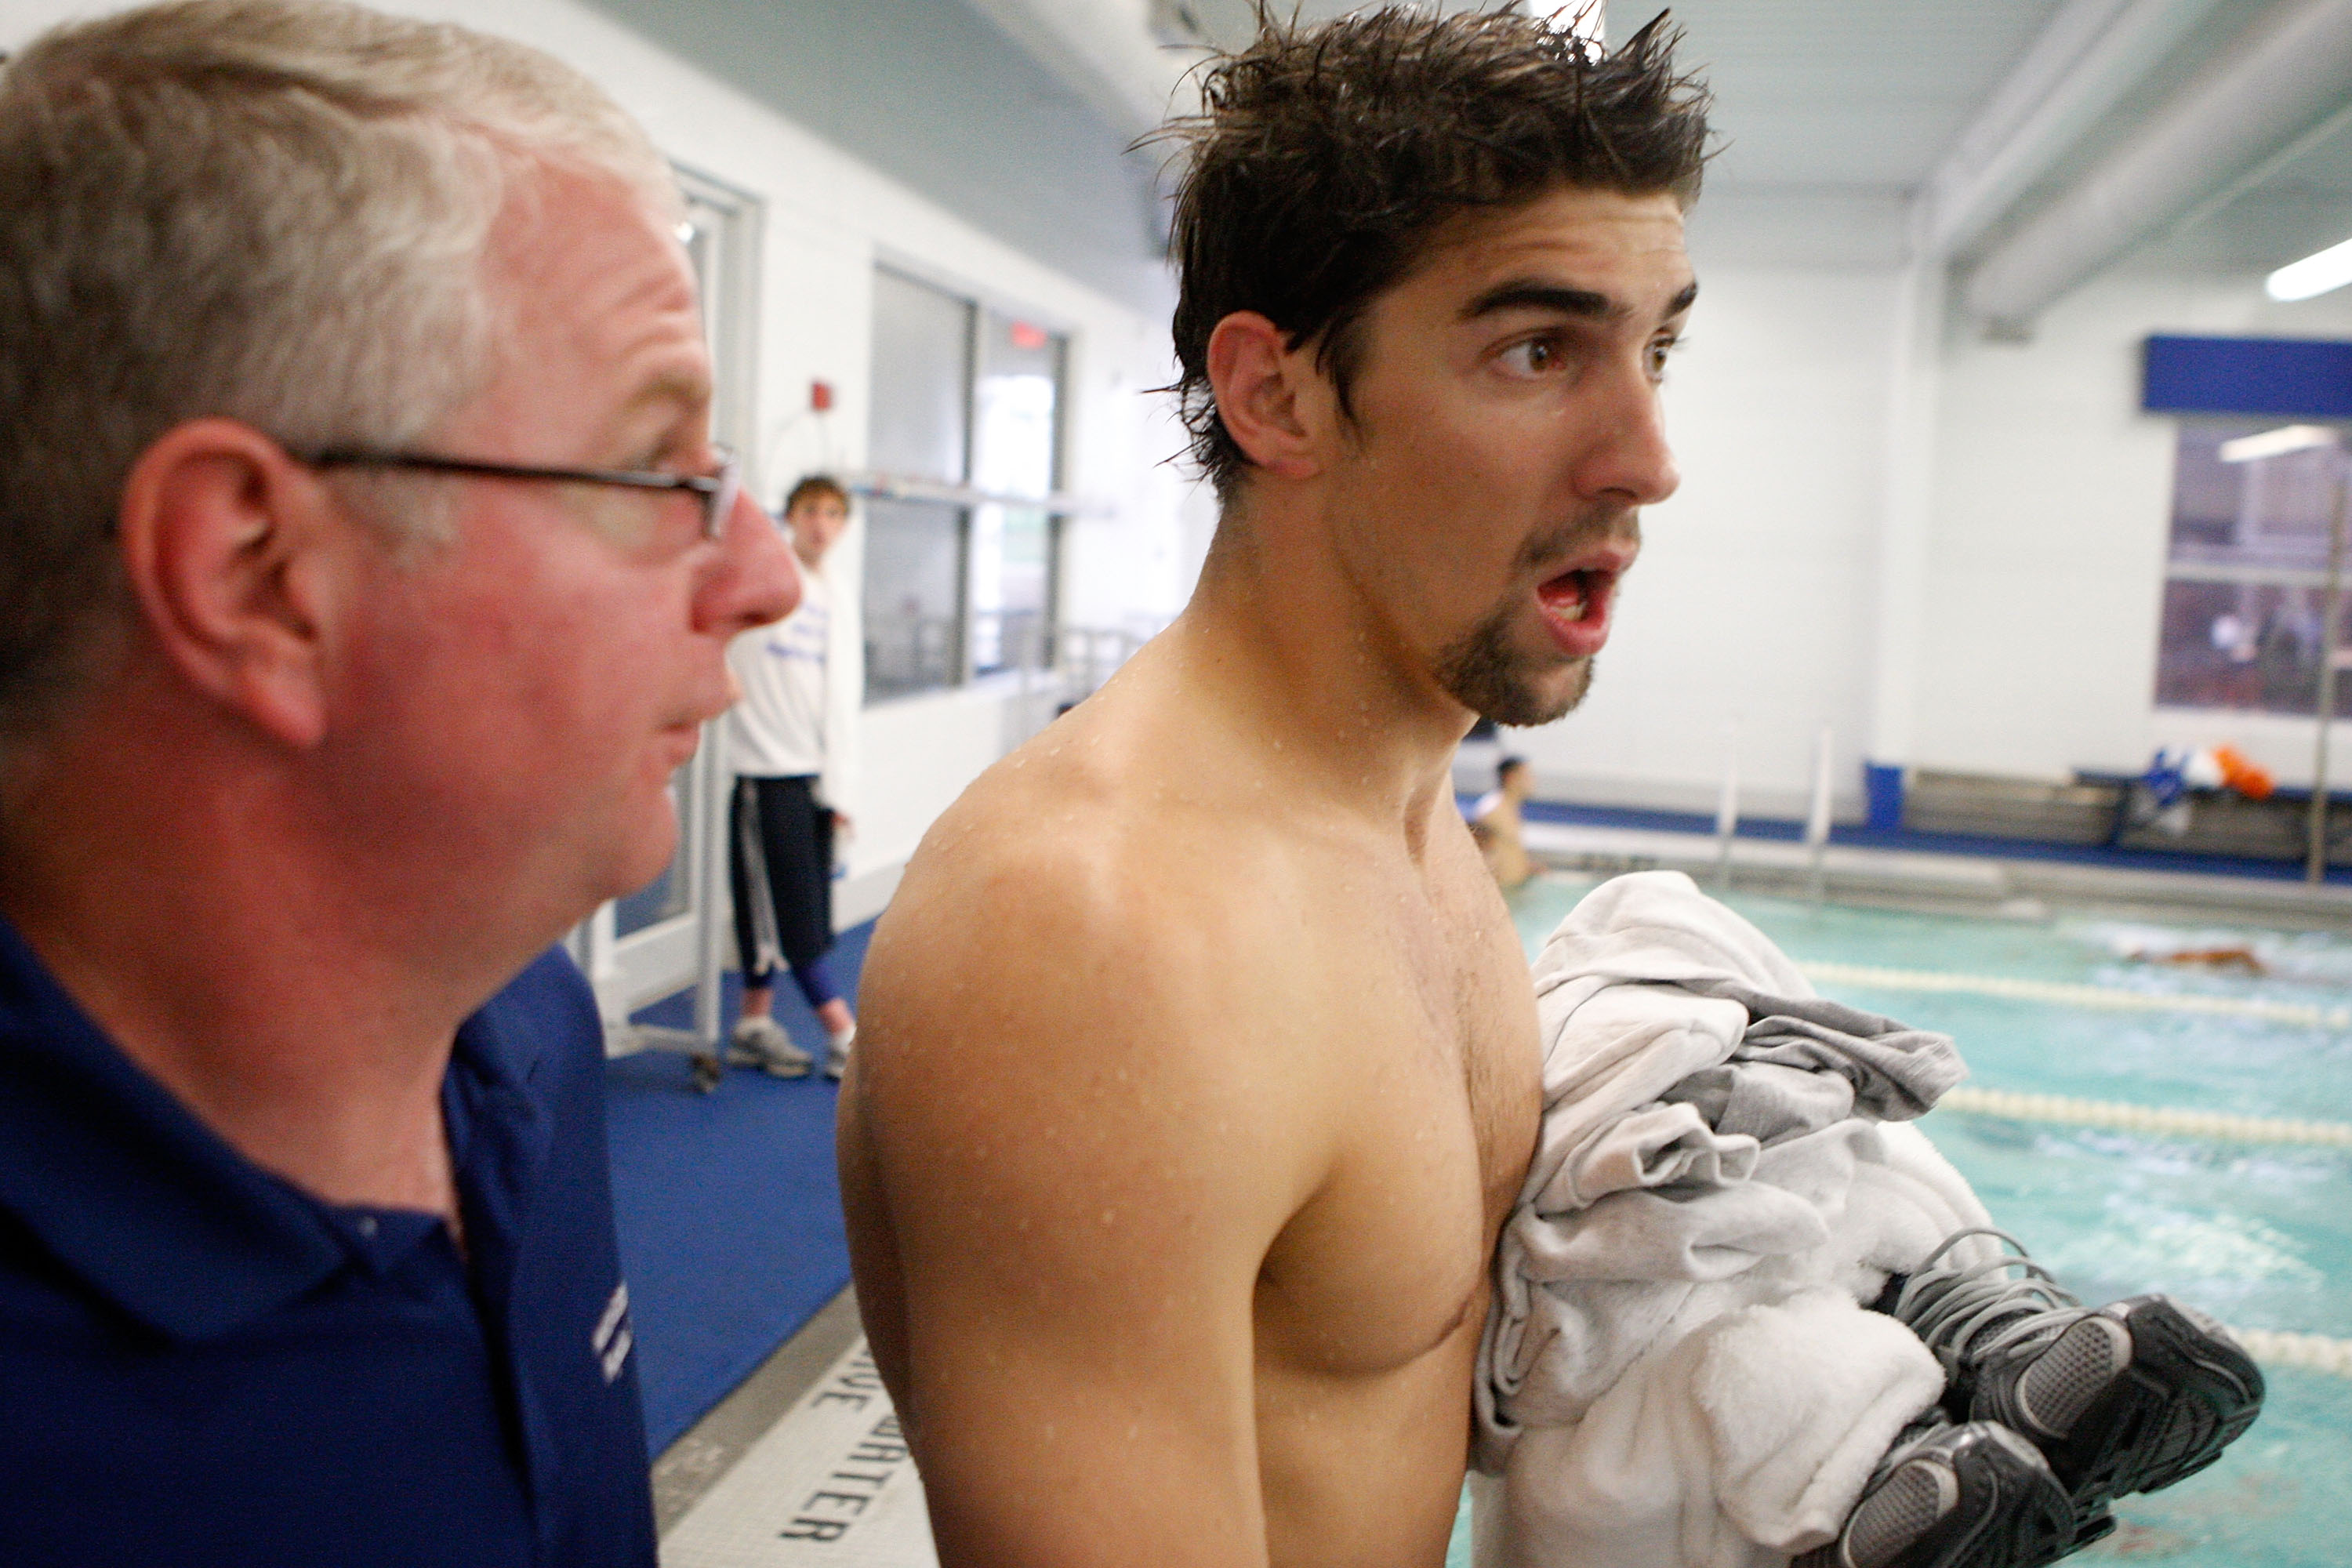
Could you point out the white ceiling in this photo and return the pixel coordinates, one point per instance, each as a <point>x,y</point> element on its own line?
<point>1833,114</point>
<point>1845,109</point>
<point>1839,93</point>
<point>1810,93</point>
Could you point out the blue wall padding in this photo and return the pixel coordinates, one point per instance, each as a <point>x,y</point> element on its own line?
<point>1882,784</point>
<point>2307,378</point>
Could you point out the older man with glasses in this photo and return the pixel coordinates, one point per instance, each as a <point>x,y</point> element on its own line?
<point>366,569</point>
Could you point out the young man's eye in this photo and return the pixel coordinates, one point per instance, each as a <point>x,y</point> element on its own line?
<point>1662,350</point>
<point>1533,357</point>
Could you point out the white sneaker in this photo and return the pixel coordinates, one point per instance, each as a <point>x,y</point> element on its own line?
<point>836,1058</point>
<point>762,1043</point>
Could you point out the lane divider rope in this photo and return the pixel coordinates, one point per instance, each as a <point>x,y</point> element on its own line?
<point>2224,1125</point>
<point>2316,1351</point>
<point>2300,1014</point>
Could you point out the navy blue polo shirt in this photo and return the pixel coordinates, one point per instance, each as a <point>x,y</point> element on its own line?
<point>201,1364</point>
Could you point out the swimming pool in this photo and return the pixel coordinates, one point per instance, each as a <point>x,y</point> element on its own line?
<point>2255,1229</point>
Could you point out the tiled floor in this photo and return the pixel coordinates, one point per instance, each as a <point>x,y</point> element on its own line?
<point>829,1483</point>
<point>802,1468</point>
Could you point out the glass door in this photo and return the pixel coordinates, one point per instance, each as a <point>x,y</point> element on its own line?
<point>670,936</point>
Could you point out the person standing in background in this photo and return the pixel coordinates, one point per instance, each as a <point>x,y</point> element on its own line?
<point>784,816</point>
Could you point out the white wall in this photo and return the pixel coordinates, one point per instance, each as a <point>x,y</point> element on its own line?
<point>2047,503</point>
<point>2054,497</point>
<point>827,218</point>
<point>1751,602</point>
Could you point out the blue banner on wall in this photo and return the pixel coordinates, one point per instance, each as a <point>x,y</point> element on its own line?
<point>2307,378</point>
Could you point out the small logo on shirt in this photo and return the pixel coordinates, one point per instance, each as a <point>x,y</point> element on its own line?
<point>613,1337</point>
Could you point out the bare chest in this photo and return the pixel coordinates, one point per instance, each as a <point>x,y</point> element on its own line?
<point>1427,1021</point>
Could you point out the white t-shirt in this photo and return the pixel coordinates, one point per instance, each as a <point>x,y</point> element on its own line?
<point>778,729</point>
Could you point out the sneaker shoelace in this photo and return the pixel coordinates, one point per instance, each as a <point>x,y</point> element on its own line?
<point>1967,1312</point>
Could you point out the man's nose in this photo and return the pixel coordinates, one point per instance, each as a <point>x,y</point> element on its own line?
<point>757,581</point>
<point>1629,458</point>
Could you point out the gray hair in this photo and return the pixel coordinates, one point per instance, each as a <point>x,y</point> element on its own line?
<point>272,211</point>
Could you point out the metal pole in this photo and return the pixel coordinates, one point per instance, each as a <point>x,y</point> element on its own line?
<point>1727,809</point>
<point>1817,821</point>
<point>714,781</point>
<point>2315,863</point>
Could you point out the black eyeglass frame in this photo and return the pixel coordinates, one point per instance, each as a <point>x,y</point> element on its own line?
<point>718,491</point>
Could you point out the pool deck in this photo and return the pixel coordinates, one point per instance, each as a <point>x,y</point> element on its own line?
<point>1935,870</point>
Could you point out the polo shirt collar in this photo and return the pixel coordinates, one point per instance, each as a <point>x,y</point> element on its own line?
<point>142,1200</point>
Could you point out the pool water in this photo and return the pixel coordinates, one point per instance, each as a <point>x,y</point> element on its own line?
<point>2260,1235</point>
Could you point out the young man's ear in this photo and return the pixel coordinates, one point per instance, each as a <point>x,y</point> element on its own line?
<point>1275,404</point>
<point>223,545</point>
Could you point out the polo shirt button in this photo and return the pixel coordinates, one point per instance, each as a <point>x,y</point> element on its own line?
<point>367,1225</point>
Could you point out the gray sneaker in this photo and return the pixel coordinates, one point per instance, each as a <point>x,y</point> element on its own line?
<point>836,1059</point>
<point>762,1043</point>
<point>1972,1496</point>
<point>2128,1398</point>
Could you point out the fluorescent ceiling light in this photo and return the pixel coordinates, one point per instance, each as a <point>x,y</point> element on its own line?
<point>1581,18</point>
<point>2277,443</point>
<point>2314,275</point>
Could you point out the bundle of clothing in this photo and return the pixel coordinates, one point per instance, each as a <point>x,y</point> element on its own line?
<point>1678,1367</point>
<point>1744,1311</point>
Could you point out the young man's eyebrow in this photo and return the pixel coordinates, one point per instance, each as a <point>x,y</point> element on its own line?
<point>1586,304</point>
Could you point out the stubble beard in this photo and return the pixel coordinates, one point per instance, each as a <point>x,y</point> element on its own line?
<point>1481,670</point>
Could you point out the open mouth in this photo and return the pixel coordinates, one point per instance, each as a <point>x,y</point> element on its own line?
<point>1571,595</point>
<point>1575,607</point>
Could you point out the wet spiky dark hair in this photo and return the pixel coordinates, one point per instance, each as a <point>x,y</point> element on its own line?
<point>1325,159</point>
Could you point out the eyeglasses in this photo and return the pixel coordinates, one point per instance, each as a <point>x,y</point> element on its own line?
<point>717,491</point>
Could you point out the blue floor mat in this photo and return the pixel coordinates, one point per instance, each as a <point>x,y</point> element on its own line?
<point>729,1209</point>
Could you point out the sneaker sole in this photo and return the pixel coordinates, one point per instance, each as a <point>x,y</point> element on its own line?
<point>2187,1394</point>
<point>2011,1513</point>
<point>2032,1520</point>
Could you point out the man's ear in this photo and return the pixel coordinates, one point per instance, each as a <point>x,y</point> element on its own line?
<point>226,546</point>
<point>1275,404</point>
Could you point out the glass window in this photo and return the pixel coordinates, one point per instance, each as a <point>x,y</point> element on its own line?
<point>2249,646</point>
<point>914,580</point>
<point>923,380</point>
<point>970,397</point>
<point>1016,405</point>
<point>1016,447</point>
<point>2245,580</point>
<point>1011,587</point>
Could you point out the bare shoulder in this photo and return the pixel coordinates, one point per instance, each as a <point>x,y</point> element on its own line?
<point>1062,1115</point>
<point>1063,928</point>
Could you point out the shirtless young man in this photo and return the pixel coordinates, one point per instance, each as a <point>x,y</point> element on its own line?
<point>1199,1062</point>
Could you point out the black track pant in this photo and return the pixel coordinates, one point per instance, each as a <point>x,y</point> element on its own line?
<point>779,866</point>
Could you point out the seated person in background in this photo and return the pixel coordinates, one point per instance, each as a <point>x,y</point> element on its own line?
<point>1495,824</point>
<point>1743,1309</point>
<point>333,690</point>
